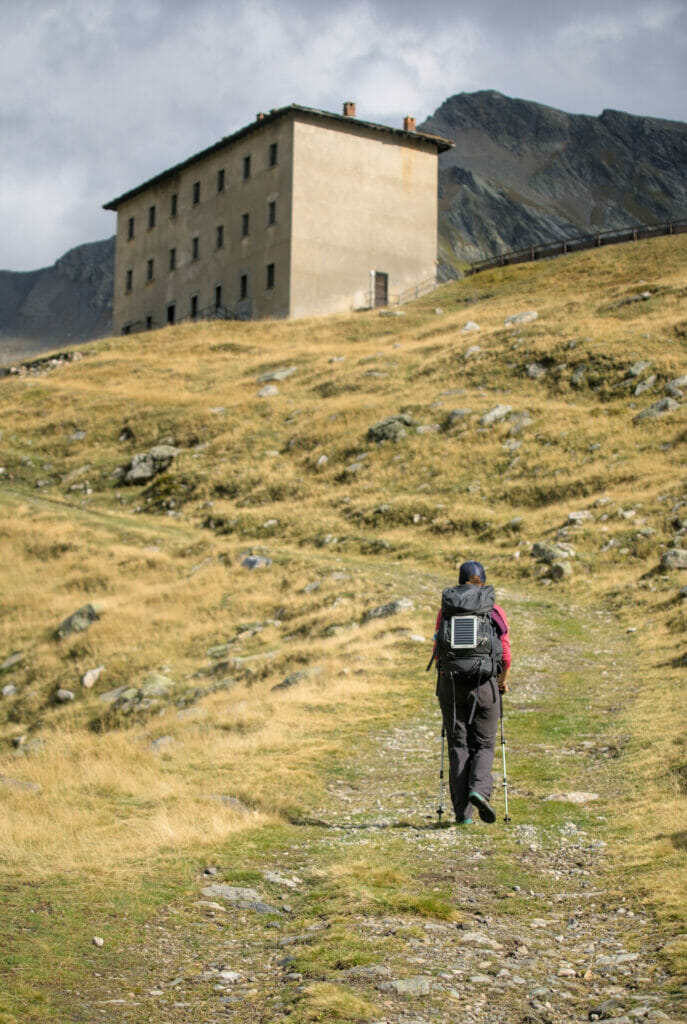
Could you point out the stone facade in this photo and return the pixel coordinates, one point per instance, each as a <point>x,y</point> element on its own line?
<point>301,212</point>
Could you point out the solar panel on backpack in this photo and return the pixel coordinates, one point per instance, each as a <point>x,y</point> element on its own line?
<point>463,631</point>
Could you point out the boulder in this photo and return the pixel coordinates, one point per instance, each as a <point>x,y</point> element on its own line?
<point>255,562</point>
<point>551,553</point>
<point>674,558</point>
<point>144,466</point>
<point>561,570</point>
<point>78,621</point>
<point>390,429</point>
<point>535,370</point>
<point>661,408</point>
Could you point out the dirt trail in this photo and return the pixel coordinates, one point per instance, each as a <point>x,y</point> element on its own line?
<point>545,932</point>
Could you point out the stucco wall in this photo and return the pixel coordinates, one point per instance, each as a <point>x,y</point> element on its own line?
<point>214,266</point>
<point>362,202</point>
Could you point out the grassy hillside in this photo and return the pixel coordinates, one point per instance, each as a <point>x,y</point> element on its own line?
<point>182,750</point>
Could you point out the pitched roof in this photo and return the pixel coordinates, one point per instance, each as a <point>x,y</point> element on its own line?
<point>309,113</point>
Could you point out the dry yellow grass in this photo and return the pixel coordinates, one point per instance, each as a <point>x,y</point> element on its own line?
<point>163,568</point>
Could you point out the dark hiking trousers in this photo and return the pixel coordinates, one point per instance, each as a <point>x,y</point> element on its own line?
<point>470,744</point>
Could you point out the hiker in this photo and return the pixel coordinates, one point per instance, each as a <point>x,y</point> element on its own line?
<point>470,674</point>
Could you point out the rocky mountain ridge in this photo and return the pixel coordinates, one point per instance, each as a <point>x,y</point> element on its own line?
<point>522,173</point>
<point>67,303</point>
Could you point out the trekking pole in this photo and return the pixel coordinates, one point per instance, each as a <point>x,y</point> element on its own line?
<point>503,755</point>
<point>440,808</point>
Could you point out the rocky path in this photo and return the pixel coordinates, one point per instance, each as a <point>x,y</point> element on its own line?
<point>368,911</point>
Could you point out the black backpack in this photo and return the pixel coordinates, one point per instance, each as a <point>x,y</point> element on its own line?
<point>469,650</point>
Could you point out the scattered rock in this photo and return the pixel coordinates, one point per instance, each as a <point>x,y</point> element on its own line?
<point>560,570</point>
<point>551,553</point>
<point>281,373</point>
<point>255,562</point>
<point>660,408</point>
<point>390,429</point>
<point>645,385</point>
<point>583,516</point>
<point>295,677</point>
<point>269,391</point>
<point>90,678</point>
<point>97,941</point>
<point>578,377</point>
<point>640,367</point>
<point>64,696</point>
<point>78,621</point>
<point>470,326</point>
<point>474,350</point>
<point>495,415</point>
<point>146,465</point>
<point>403,604</point>
<point>321,462</point>
<point>674,558</point>
<point>276,879</point>
<point>156,685</point>
<point>528,317</point>
<point>11,662</point>
<point>9,690</point>
<point>244,899</point>
<point>420,986</point>
<point>535,370</point>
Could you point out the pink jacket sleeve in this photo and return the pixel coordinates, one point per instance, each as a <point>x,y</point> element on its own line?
<point>505,637</point>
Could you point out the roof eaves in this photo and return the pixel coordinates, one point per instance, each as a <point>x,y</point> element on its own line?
<point>260,122</point>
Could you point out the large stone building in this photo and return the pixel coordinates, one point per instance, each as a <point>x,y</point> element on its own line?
<point>301,212</point>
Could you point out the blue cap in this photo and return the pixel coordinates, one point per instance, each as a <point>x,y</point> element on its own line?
<point>469,569</point>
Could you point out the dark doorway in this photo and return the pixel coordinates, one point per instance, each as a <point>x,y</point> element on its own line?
<point>381,288</point>
<point>170,314</point>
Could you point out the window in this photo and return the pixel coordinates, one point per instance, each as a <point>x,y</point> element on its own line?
<point>150,270</point>
<point>220,180</point>
<point>170,313</point>
<point>270,275</point>
<point>220,236</point>
<point>172,259</point>
<point>271,213</point>
<point>173,205</point>
<point>244,286</point>
<point>130,232</point>
<point>246,168</point>
<point>196,193</point>
<point>245,225</point>
<point>151,217</point>
<point>126,329</point>
<point>196,248</point>
<point>129,280</point>
<point>194,306</point>
<point>149,323</point>
<point>218,296</point>
<point>273,154</point>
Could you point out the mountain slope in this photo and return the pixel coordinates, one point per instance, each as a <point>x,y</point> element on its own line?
<point>67,303</point>
<point>525,173</point>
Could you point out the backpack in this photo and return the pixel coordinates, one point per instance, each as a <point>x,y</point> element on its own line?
<point>469,650</point>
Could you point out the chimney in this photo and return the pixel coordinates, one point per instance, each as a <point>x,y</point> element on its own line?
<point>349,109</point>
<point>409,123</point>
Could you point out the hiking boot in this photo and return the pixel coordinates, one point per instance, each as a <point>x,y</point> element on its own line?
<point>464,821</point>
<point>484,808</point>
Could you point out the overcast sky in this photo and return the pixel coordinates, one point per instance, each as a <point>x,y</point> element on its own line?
<point>96,96</point>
